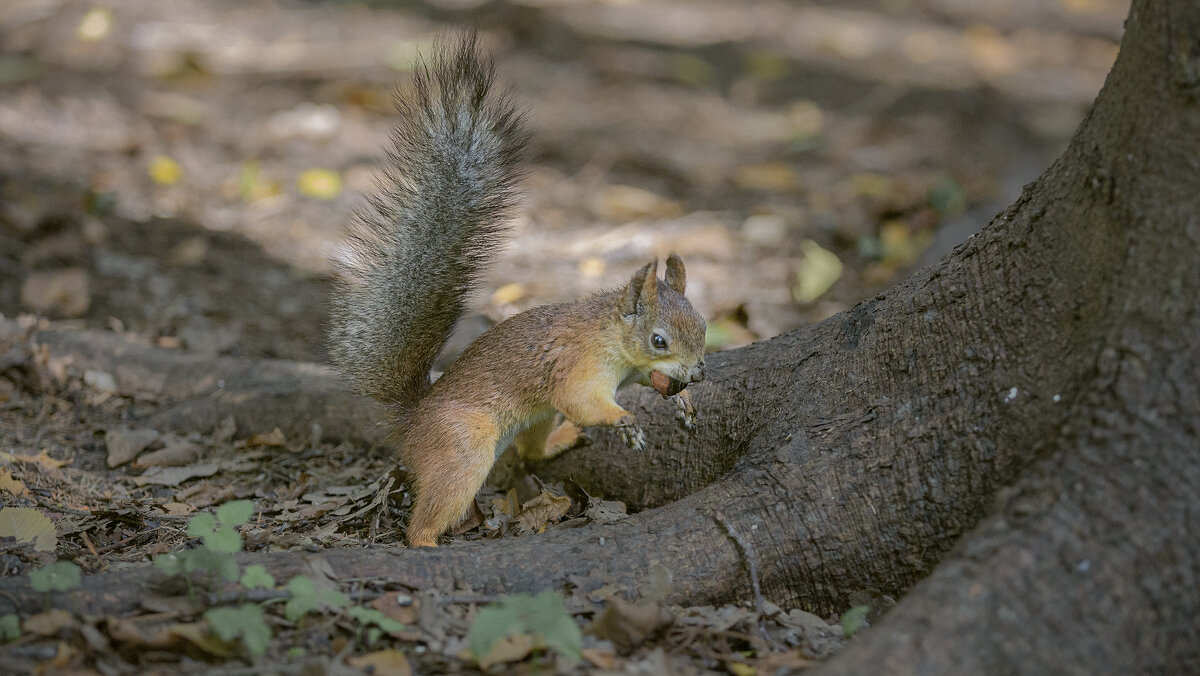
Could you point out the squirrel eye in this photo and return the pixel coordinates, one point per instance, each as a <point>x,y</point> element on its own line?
<point>658,341</point>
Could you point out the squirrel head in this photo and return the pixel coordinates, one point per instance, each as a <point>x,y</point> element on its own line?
<point>664,337</point>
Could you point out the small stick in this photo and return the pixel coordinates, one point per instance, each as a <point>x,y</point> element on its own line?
<point>747,551</point>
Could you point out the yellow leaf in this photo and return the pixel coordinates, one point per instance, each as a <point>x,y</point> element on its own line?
<point>509,293</point>
<point>95,25</point>
<point>8,483</point>
<point>165,171</point>
<point>511,648</point>
<point>769,177</point>
<point>740,669</point>
<point>42,459</point>
<point>28,525</point>
<point>321,184</point>
<point>382,663</point>
<point>819,271</point>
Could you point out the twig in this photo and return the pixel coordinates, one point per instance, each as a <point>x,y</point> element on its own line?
<point>747,551</point>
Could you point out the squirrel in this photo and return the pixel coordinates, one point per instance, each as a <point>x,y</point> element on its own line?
<point>415,253</point>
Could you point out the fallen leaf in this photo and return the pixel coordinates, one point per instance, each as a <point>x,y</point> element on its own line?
<point>629,625</point>
<point>173,476</point>
<point>175,454</point>
<point>43,460</point>
<point>125,444</point>
<point>50,622</point>
<point>511,648</point>
<point>604,659</point>
<point>273,438</point>
<point>398,606</point>
<point>64,292</point>
<point>768,177</point>
<point>28,525</point>
<point>819,271</point>
<point>165,171</point>
<point>320,183</point>
<point>100,380</point>
<point>14,486</point>
<point>543,509</point>
<point>382,663</point>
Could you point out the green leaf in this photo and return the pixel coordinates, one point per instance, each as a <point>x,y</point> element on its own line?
<point>542,616</point>
<point>304,598</point>
<point>202,524</point>
<point>169,564</point>
<point>492,623</point>
<point>235,513</point>
<point>333,598</point>
<point>246,622</point>
<point>61,576</point>
<point>227,567</point>
<point>224,539</point>
<point>558,630</point>
<point>854,619</point>
<point>257,577</point>
<point>10,627</point>
<point>370,616</point>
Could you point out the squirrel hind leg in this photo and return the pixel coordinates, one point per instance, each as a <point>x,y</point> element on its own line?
<point>449,465</point>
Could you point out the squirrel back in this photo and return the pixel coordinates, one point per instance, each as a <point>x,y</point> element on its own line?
<point>415,253</point>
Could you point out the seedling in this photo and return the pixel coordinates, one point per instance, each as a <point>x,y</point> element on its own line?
<point>10,627</point>
<point>244,622</point>
<point>60,576</point>
<point>375,623</point>
<point>306,598</point>
<point>219,542</point>
<point>542,617</point>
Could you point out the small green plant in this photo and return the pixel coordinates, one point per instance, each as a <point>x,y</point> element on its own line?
<point>374,622</point>
<point>854,620</point>
<point>219,542</point>
<point>10,627</point>
<point>245,622</point>
<point>542,617</point>
<point>60,576</point>
<point>257,577</point>
<point>306,598</point>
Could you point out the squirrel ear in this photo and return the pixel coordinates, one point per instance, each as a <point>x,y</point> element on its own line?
<point>676,276</point>
<point>637,299</point>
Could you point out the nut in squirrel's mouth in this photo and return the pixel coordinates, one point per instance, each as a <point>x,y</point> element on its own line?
<point>665,384</point>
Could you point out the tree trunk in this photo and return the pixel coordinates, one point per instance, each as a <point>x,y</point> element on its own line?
<point>1046,373</point>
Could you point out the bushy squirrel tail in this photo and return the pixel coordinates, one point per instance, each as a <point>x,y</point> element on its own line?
<point>416,251</point>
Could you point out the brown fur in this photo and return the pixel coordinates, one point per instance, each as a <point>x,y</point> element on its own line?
<point>507,385</point>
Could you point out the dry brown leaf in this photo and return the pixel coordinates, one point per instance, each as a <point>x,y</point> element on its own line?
<point>173,455</point>
<point>173,476</point>
<point>125,444</point>
<point>12,485</point>
<point>273,438</point>
<point>382,663</point>
<point>511,648</point>
<point>390,604</point>
<point>543,509</point>
<point>50,622</point>
<point>604,659</point>
<point>629,625</point>
<point>42,460</point>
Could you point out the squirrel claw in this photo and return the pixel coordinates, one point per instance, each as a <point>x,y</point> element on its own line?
<point>685,411</point>
<point>631,435</point>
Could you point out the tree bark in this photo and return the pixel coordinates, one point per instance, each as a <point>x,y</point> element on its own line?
<point>1045,373</point>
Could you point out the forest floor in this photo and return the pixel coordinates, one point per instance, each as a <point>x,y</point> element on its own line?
<point>178,173</point>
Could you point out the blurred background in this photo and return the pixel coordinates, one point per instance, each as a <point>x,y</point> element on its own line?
<point>181,170</point>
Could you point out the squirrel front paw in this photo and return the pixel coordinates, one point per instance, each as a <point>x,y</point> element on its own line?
<point>685,411</point>
<point>631,435</point>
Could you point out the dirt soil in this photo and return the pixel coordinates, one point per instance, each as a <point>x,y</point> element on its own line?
<point>178,173</point>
